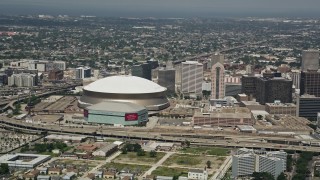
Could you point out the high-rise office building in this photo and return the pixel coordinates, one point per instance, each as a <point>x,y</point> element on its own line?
<point>3,79</point>
<point>153,63</point>
<point>142,70</point>
<point>192,77</point>
<point>55,74</point>
<point>270,90</point>
<point>51,65</point>
<point>308,106</point>
<point>272,165</point>
<point>216,58</point>
<point>22,80</point>
<point>243,165</point>
<point>310,60</point>
<point>248,161</point>
<point>296,78</point>
<point>318,120</point>
<point>248,85</point>
<point>166,78</point>
<point>83,72</point>
<point>310,83</point>
<point>217,81</point>
<point>178,68</point>
<point>249,69</point>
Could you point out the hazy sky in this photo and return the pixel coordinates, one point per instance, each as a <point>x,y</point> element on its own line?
<point>164,8</point>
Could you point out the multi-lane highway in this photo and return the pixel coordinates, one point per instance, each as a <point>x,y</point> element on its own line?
<point>46,91</point>
<point>223,140</point>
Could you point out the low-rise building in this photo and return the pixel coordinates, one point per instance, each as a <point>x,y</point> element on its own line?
<point>69,176</point>
<point>43,177</point>
<point>164,178</point>
<point>106,150</point>
<point>43,170</point>
<point>224,117</point>
<point>198,174</point>
<point>87,147</point>
<point>281,108</point>
<point>31,175</point>
<point>23,161</point>
<point>54,171</point>
<point>109,175</point>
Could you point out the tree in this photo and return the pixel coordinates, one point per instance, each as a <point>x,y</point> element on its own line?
<point>40,148</point>
<point>208,164</point>
<point>153,153</point>
<point>16,110</point>
<point>187,143</point>
<point>4,169</point>
<point>259,117</point>
<point>262,176</point>
<point>281,177</point>
<point>124,150</point>
<point>136,147</point>
<point>141,152</point>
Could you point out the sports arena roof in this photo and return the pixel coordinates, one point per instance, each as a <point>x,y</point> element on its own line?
<point>124,85</point>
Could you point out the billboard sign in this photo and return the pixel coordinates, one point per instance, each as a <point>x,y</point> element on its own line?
<point>131,116</point>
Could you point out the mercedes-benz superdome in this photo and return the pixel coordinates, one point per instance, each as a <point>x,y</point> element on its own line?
<point>125,89</point>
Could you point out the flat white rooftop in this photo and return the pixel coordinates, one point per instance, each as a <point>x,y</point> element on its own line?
<point>24,160</point>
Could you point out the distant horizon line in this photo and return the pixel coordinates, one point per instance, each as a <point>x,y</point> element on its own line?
<point>157,17</point>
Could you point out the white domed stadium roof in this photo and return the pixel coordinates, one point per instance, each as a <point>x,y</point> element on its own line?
<point>124,85</point>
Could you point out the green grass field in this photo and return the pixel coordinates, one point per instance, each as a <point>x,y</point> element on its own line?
<point>183,160</point>
<point>132,157</point>
<point>165,171</point>
<point>193,161</point>
<point>121,166</point>
<point>216,151</point>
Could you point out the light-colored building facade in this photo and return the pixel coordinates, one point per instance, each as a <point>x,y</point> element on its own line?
<point>22,80</point>
<point>217,81</point>
<point>296,78</point>
<point>215,58</point>
<point>310,60</point>
<point>272,165</point>
<point>40,65</point>
<point>192,77</point>
<point>243,165</point>
<point>198,174</point>
<point>224,117</point>
<point>248,161</point>
<point>116,113</point>
<point>83,72</point>
<point>23,161</point>
<point>281,108</point>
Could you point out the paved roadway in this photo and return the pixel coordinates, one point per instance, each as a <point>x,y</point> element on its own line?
<point>223,169</point>
<point>10,102</point>
<point>242,140</point>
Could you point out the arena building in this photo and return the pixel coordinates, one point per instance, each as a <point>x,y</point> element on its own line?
<point>113,112</point>
<point>131,89</point>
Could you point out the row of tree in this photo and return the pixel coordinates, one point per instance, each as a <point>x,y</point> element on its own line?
<point>128,147</point>
<point>46,147</point>
<point>4,169</point>
<point>267,176</point>
<point>302,170</point>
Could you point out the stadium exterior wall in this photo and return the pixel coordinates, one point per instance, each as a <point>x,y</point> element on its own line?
<point>108,117</point>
